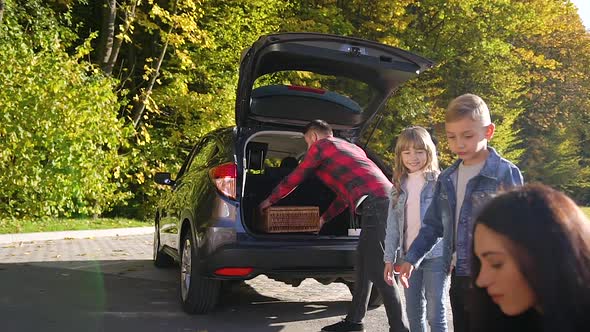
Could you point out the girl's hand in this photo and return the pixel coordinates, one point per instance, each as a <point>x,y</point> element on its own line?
<point>388,273</point>
<point>405,272</point>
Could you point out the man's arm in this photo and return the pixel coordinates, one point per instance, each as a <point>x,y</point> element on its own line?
<point>311,161</point>
<point>338,205</point>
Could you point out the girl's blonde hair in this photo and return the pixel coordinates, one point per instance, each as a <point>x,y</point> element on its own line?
<point>418,138</point>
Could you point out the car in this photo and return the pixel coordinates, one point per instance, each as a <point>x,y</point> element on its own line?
<point>208,223</point>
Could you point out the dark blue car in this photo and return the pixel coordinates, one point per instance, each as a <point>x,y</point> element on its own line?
<point>207,222</point>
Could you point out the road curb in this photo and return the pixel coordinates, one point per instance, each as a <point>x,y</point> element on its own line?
<point>46,236</point>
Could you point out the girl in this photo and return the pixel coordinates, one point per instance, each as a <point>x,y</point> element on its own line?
<point>415,173</point>
<point>531,264</point>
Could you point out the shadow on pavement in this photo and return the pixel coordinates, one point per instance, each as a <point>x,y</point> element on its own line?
<point>132,295</point>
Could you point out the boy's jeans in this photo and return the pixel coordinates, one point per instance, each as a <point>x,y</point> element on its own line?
<point>425,297</point>
<point>460,287</point>
<point>369,266</point>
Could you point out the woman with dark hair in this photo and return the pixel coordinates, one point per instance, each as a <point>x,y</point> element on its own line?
<point>531,264</point>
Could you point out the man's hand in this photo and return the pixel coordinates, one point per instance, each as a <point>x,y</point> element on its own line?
<point>388,273</point>
<point>264,205</point>
<point>405,272</point>
<point>322,222</point>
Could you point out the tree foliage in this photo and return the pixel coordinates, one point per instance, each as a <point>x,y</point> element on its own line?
<point>60,132</point>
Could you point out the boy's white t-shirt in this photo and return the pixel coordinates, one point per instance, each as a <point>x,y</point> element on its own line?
<point>414,184</point>
<point>464,174</point>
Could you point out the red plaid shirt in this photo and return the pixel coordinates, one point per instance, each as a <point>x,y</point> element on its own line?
<point>344,168</point>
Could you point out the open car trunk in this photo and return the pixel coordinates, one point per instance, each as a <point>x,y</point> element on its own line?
<point>268,158</point>
<point>359,76</point>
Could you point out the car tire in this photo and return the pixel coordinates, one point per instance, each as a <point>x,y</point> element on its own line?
<point>161,259</point>
<point>198,295</point>
<point>375,300</point>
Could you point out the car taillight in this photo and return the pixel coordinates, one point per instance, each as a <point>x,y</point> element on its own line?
<point>306,89</point>
<point>224,177</point>
<point>234,271</point>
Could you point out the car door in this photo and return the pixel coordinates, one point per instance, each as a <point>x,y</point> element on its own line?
<point>181,200</point>
<point>169,207</point>
<point>194,192</point>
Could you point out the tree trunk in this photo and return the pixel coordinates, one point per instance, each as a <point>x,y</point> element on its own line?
<point>128,17</point>
<point>107,34</point>
<point>139,109</point>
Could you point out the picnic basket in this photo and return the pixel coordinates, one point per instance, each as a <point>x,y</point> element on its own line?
<point>290,219</point>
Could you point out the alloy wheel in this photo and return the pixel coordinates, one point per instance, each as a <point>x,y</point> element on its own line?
<point>156,243</point>
<point>185,268</point>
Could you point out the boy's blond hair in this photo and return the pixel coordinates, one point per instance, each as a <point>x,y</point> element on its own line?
<point>468,106</point>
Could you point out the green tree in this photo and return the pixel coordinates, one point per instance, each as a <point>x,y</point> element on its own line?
<point>60,132</point>
<point>555,124</point>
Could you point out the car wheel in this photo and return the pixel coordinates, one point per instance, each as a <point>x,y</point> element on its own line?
<point>161,259</point>
<point>375,300</point>
<point>198,295</point>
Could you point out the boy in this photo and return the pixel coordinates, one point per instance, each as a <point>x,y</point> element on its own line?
<point>361,186</point>
<point>460,192</point>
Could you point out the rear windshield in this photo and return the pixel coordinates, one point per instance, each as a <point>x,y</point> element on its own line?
<point>359,92</point>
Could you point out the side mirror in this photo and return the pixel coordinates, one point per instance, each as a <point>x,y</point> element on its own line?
<point>163,178</point>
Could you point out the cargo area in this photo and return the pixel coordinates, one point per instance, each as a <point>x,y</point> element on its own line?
<point>268,158</point>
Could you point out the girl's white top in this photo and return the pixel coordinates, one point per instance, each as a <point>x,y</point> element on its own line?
<point>414,185</point>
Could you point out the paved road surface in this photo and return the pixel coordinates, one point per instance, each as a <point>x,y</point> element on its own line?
<point>110,284</point>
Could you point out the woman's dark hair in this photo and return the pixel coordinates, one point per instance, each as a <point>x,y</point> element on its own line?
<point>550,239</point>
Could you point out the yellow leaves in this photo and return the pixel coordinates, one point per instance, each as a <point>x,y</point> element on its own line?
<point>186,62</point>
<point>391,40</point>
<point>140,177</point>
<point>537,60</point>
<point>117,172</point>
<point>146,135</point>
<point>158,11</point>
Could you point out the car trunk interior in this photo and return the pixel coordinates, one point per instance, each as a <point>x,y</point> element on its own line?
<point>268,158</point>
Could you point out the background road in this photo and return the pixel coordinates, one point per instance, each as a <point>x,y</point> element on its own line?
<point>110,284</point>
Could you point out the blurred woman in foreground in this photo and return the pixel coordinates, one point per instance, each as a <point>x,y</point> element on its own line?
<point>531,263</point>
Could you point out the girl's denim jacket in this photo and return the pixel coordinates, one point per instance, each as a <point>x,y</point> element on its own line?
<point>396,218</point>
<point>496,174</point>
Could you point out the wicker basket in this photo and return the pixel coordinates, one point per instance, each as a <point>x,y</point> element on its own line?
<point>290,219</point>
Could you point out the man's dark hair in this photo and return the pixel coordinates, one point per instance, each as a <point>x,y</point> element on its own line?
<point>320,126</point>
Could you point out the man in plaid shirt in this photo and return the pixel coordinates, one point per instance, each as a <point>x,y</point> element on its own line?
<point>361,186</point>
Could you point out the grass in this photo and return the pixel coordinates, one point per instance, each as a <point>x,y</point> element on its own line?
<point>586,210</point>
<point>9,226</point>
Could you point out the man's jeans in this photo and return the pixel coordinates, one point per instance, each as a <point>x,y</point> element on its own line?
<point>369,266</point>
<point>425,297</point>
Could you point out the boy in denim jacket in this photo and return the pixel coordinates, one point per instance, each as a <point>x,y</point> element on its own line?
<point>461,191</point>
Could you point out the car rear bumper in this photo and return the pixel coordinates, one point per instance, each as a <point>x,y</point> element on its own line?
<point>295,261</point>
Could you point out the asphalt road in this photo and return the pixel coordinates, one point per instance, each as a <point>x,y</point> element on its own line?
<point>110,284</point>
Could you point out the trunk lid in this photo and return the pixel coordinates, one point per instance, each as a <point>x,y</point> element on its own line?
<point>290,79</point>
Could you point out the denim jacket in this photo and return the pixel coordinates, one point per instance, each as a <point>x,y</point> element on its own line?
<point>396,217</point>
<point>496,174</point>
